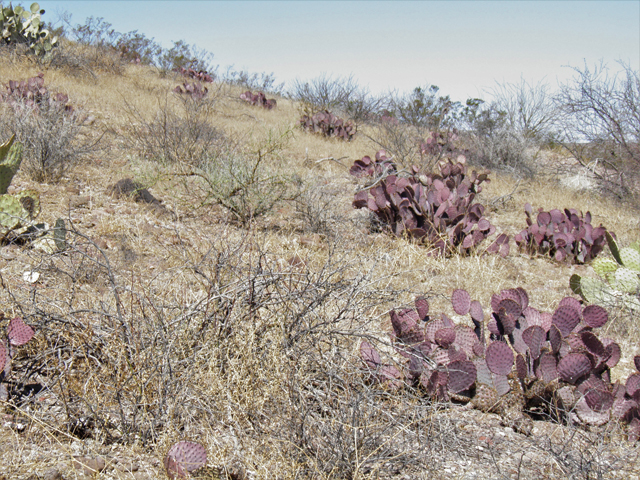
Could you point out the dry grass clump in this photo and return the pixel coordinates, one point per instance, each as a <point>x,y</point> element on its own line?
<point>238,324</point>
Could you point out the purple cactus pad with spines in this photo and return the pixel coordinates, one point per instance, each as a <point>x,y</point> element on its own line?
<point>511,307</point>
<point>501,384</point>
<point>595,316</point>
<point>506,322</point>
<point>521,367</point>
<point>574,366</point>
<point>445,337</point>
<point>406,327</point>
<point>593,344</point>
<point>636,362</point>
<point>623,408</point>
<point>18,332</point>
<point>461,301</point>
<point>555,339</point>
<point>571,302</point>
<point>534,337</point>
<point>4,356</point>
<point>547,368</point>
<point>462,375</point>
<point>589,416</point>
<point>476,312</point>
<point>431,328</point>
<point>633,386</point>
<point>184,457</point>
<point>499,358</point>
<point>466,339</point>
<point>422,307</point>
<point>370,356</point>
<point>613,353</point>
<point>566,318</point>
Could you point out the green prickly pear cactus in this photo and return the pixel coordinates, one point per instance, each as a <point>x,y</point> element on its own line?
<point>10,158</point>
<point>619,281</point>
<point>17,210</point>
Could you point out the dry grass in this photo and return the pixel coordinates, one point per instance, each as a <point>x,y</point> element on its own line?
<point>157,326</point>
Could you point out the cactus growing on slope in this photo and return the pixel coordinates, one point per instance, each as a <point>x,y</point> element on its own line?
<point>565,236</point>
<point>438,209</point>
<point>18,334</point>
<point>258,99</point>
<point>184,457</point>
<point>10,159</point>
<point>619,282</point>
<point>518,361</point>
<point>19,209</point>
<point>328,125</point>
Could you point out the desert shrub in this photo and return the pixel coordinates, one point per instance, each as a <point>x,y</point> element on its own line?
<point>179,131</point>
<point>435,208</point>
<point>54,134</point>
<point>182,56</point>
<point>265,82</point>
<point>247,181</point>
<point>341,95</point>
<point>418,128</point>
<point>601,126</point>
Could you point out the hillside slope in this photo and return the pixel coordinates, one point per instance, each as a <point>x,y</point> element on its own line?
<point>181,319</point>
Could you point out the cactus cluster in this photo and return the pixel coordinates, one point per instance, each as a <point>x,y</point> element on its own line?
<point>520,360</point>
<point>184,457</point>
<point>438,209</point>
<point>565,236</point>
<point>18,334</point>
<point>18,25</point>
<point>619,282</point>
<point>328,125</point>
<point>258,99</point>
<point>438,143</point>
<point>195,90</point>
<point>200,75</point>
<point>32,93</point>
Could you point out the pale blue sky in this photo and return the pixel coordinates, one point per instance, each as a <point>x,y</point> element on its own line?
<point>464,47</point>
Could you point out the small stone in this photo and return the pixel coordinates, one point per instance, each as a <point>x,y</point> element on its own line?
<point>52,474</point>
<point>89,465</point>
<point>76,201</point>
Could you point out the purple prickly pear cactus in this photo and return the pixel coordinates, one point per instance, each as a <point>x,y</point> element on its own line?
<point>184,457</point>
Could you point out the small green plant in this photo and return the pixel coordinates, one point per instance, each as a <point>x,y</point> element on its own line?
<point>18,25</point>
<point>619,282</point>
<point>244,182</point>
